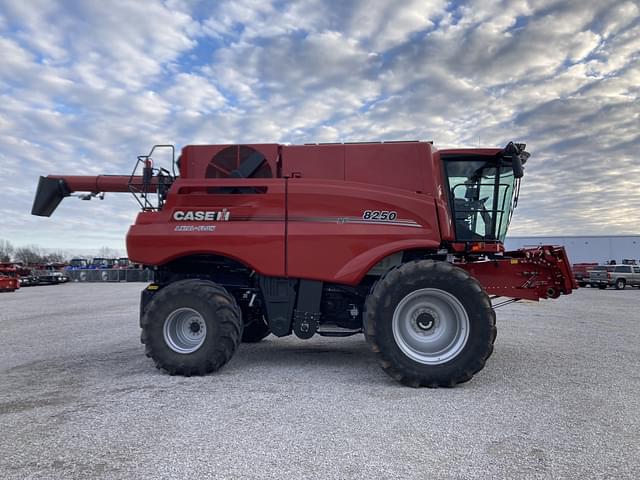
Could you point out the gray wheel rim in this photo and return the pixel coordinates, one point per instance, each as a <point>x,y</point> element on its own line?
<point>430,326</point>
<point>184,330</point>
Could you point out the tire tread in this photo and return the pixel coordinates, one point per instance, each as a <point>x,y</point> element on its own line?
<point>226,312</point>
<point>414,274</point>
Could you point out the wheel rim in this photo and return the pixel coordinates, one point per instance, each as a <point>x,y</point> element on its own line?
<point>430,326</point>
<point>184,330</point>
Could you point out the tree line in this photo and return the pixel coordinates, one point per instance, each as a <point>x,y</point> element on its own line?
<point>30,254</point>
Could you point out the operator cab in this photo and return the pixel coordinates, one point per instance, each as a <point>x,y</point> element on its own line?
<point>483,191</point>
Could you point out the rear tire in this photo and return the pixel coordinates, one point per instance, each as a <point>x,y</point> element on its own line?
<point>191,327</point>
<point>430,324</point>
<point>620,284</point>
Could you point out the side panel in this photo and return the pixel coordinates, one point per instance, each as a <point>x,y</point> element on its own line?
<point>334,235</point>
<point>399,165</point>
<point>404,165</point>
<point>249,229</point>
<point>313,161</point>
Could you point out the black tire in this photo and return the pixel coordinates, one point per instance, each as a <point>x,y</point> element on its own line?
<point>620,284</point>
<point>216,308</point>
<point>440,279</point>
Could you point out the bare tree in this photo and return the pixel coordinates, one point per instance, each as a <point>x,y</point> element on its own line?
<point>73,255</point>
<point>29,254</point>
<point>6,250</point>
<point>106,252</point>
<point>56,257</point>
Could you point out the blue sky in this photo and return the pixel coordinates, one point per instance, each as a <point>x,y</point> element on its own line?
<point>86,86</point>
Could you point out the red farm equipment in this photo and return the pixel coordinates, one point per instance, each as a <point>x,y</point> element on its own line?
<point>9,278</point>
<point>396,240</point>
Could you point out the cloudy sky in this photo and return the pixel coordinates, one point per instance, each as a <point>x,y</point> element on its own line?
<point>85,86</point>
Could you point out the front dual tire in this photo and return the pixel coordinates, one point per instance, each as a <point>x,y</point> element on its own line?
<point>430,324</point>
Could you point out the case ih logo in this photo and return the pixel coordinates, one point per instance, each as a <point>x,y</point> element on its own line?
<point>202,216</point>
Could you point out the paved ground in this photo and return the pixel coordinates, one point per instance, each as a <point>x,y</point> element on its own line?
<point>560,398</point>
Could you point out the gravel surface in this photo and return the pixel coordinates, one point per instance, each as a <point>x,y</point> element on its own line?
<point>559,398</point>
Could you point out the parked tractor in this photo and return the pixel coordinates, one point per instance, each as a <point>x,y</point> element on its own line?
<point>396,240</point>
<point>99,263</point>
<point>77,264</point>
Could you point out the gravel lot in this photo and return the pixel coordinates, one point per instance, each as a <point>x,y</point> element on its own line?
<point>560,398</point>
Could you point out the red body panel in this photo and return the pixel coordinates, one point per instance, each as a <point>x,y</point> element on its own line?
<point>321,161</point>
<point>331,189</point>
<point>413,167</point>
<point>328,239</point>
<point>258,243</point>
<point>325,212</point>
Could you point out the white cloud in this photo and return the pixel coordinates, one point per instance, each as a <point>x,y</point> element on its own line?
<point>194,94</point>
<point>86,86</point>
<point>619,16</point>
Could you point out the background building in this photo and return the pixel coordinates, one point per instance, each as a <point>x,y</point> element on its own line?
<point>596,248</point>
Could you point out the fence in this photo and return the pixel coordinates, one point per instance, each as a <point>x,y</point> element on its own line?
<point>111,275</point>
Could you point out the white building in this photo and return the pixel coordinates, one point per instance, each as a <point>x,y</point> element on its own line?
<point>595,248</point>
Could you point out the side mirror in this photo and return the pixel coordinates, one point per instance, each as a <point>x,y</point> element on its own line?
<point>516,164</point>
<point>515,151</point>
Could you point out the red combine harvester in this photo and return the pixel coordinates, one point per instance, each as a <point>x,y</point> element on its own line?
<point>9,278</point>
<point>396,240</point>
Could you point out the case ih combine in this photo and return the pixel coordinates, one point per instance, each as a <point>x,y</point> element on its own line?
<point>397,240</point>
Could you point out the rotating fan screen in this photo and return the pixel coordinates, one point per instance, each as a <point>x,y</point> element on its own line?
<point>231,159</point>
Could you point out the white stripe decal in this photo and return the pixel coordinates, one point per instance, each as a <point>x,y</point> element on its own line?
<point>355,220</point>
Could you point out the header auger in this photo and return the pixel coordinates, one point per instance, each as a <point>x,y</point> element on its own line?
<point>396,240</point>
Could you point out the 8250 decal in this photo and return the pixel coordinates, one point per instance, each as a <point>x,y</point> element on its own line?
<point>383,215</point>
